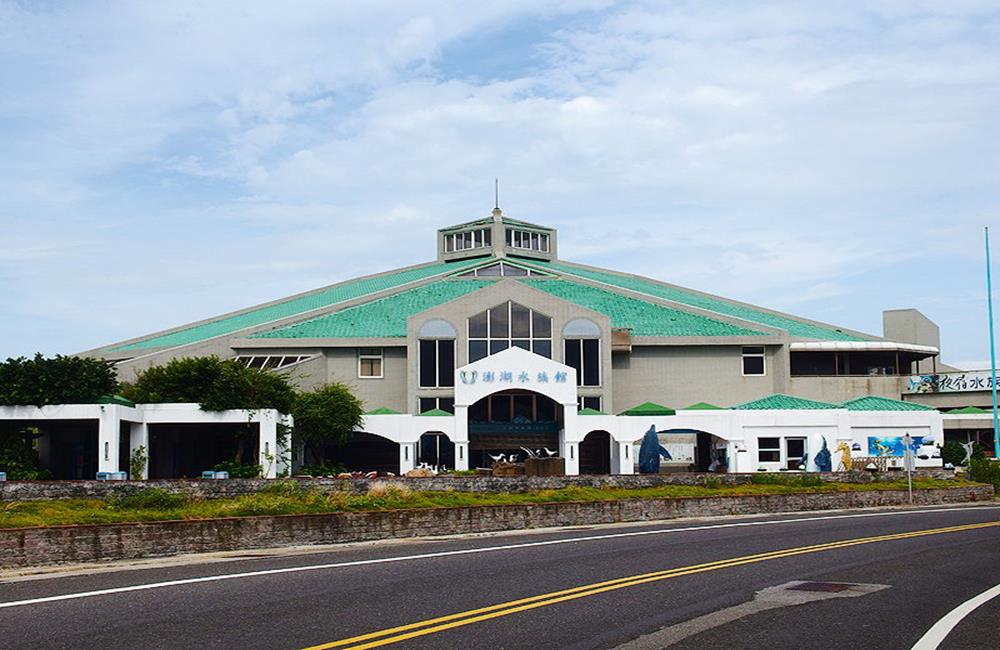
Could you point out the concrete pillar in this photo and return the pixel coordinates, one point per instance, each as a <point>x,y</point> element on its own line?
<point>626,463</point>
<point>407,457</point>
<point>570,450</point>
<point>108,428</point>
<point>139,437</point>
<point>267,447</point>
<point>461,439</point>
<point>461,456</point>
<point>284,461</point>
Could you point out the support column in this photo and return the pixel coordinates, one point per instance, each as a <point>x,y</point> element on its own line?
<point>461,456</point>
<point>139,437</point>
<point>626,463</point>
<point>407,457</point>
<point>108,428</point>
<point>570,451</point>
<point>284,464</point>
<point>461,439</point>
<point>267,447</point>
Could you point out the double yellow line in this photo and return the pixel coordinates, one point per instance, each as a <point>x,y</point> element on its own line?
<point>434,625</point>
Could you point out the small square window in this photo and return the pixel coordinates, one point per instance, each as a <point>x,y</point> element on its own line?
<point>370,363</point>
<point>753,360</point>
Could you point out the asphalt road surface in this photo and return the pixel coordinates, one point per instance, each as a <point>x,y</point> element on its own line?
<point>711,583</point>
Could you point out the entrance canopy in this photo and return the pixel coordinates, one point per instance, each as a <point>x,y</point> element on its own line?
<point>515,368</point>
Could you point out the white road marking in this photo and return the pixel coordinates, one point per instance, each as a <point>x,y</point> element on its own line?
<point>467,551</point>
<point>934,636</point>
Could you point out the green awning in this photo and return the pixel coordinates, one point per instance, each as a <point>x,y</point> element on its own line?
<point>877,403</point>
<point>780,402</point>
<point>649,408</point>
<point>437,413</point>
<point>590,411</point>
<point>383,411</point>
<point>968,410</point>
<point>702,406</point>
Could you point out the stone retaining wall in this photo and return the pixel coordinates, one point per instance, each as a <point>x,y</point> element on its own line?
<point>23,547</point>
<point>34,490</point>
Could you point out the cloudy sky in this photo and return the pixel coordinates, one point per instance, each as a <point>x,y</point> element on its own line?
<point>162,162</point>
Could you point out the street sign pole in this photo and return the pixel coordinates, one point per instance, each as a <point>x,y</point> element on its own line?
<point>993,353</point>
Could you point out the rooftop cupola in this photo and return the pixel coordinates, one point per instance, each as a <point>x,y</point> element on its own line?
<point>496,236</point>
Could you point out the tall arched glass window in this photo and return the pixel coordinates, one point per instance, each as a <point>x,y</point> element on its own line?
<point>582,350</point>
<point>436,354</point>
<point>509,325</point>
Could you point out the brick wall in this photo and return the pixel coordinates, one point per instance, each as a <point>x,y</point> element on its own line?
<point>33,490</point>
<point>24,547</point>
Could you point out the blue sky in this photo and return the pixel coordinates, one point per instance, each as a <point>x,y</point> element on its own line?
<point>167,162</point>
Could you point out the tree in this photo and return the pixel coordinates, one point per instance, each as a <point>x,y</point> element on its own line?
<point>59,380</point>
<point>214,384</point>
<point>329,413</point>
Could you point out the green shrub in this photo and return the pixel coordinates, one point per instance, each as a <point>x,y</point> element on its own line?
<point>985,470</point>
<point>239,470</point>
<point>324,469</point>
<point>953,452</point>
<point>284,489</point>
<point>146,499</point>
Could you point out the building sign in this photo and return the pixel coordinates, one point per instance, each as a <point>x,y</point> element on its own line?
<point>892,445</point>
<point>512,377</point>
<point>951,382</point>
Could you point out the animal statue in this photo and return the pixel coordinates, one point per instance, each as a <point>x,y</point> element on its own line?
<point>969,447</point>
<point>513,458</point>
<point>823,460</point>
<point>650,452</point>
<point>550,452</point>
<point>845,457</point>
<point>499,459</point>
<point>530,453</point>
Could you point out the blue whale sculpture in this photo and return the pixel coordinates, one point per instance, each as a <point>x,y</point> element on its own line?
<point>823,460</point>
<point>650,451</point>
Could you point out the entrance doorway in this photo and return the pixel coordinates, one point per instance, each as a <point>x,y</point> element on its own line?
<point>595,453</point>
<point>436,450</point>
<point>502,423</point>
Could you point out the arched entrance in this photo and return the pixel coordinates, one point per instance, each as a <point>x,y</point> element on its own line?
<point>436,449</point>
<point>367,452</point>
<point>701,450</point>
<point>506,421</point>
<point>595,453</point>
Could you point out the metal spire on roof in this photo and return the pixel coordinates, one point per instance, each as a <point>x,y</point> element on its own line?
<point>496,199</point>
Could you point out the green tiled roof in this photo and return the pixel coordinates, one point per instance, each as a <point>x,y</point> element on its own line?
<point>779,402</point>
<point>324,298</point>
<point>876,403</point>
<point>436,413</point>
<point>382,411</point>
<point>649,408</point>
<point>643,318</point>
<point>590,411</point>
<point>702,406</point>
<point>969,410</point>
<point>385,317</point>
<point>793,326</point>
<point>114,399</point>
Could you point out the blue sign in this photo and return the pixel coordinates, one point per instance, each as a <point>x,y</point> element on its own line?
<point>891,445</point>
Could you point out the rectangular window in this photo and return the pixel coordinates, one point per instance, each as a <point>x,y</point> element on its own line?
<point>588,402</point>
<point>430,403</point>
<point>753,360</point>
<point>769,450</point>
<point>585,356</point>
<point>370,363</point>
<point>795,450</point>
<point>436,363</point>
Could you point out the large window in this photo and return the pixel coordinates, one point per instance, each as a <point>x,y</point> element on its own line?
<point>370,363</point>
<point>509,325</point>
<point>437,363</point>
<point>585,356</point>
<point>753,360</point>
<point>500,269</point>
<point>769,450</point>
<point>527,240</point>
<point>271,362</point>
<point>461,241</point>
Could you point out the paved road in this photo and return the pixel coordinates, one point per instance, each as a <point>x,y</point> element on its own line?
<point>631,587</point>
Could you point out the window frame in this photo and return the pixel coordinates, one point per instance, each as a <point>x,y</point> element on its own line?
<point>777,449</point>
<point>581,402</point>
<point>581,372</point>
<point>509,339</point>
<point>762,355</point>
<point>371,356</point>
<point>437,362</point>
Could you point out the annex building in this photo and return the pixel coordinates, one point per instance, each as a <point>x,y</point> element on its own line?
<point>499,345</point>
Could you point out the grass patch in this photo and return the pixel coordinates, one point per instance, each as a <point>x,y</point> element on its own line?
<point>290,498</point>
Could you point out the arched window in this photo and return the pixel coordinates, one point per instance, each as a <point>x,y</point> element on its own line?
<point>509,325</point>
<point>582,350</point>
<point>436,354</point>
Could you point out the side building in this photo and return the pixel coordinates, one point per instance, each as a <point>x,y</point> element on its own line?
<point>499,345</point>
